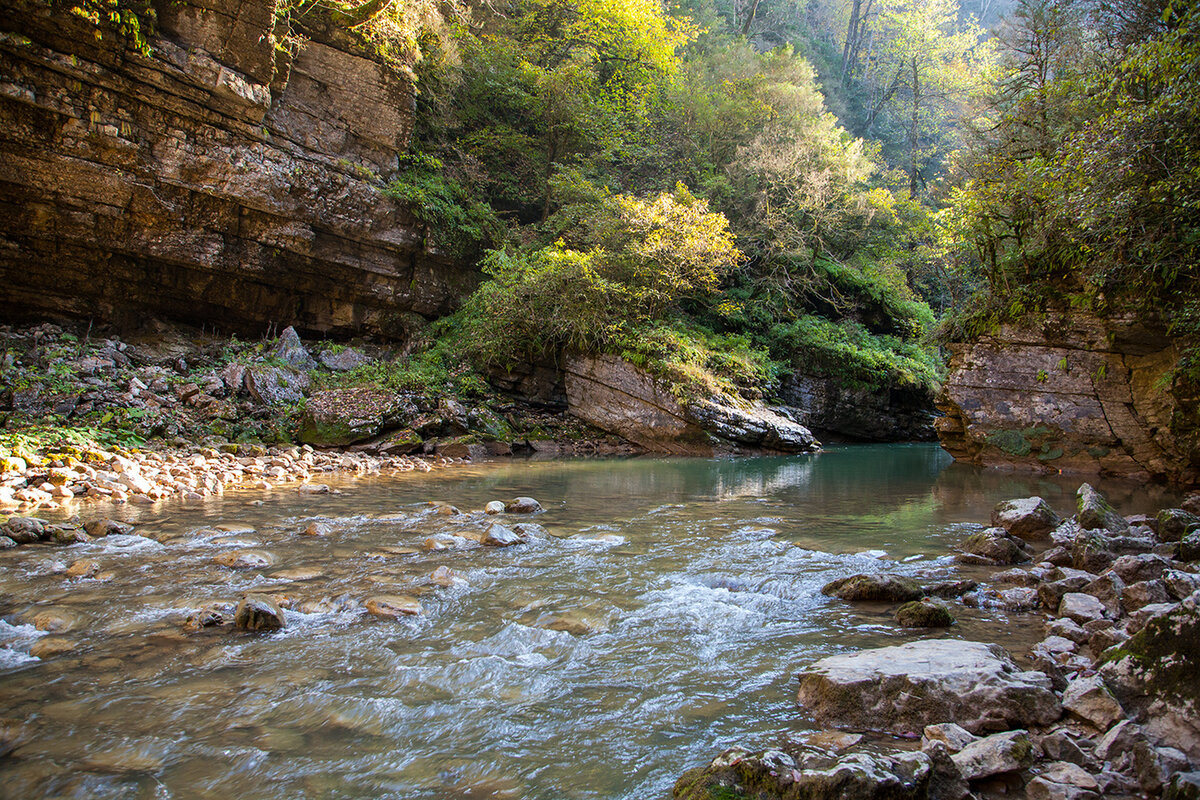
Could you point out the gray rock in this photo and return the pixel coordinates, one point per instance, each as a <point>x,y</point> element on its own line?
<point>902,689</point>
<point>1174,523</point>
<point>344,360</point>
<point>1089,699</point>
<point>1153,675</point>
<point>1080,607</point>
<point>258,612</point>
<point>1068,629</point>
<point>1126,750</point>
<point>24,530</point>
<point>1189,547</point>
<point>98,528</point>
<point>1094,512</point>
<point>1107,589</point>
<point>1042,789</point>
<point>1051,593</point>
<point>291,351</point>
<point>1069,773</point>
<point>1181,584</point>
<point>953,737</point>
<point>1183,786</point>
<point>995,754</point>
<point>1064,745</point>
<point>6,543</point>
<point>1029,518</point>
<point>276,386</point>
<point>1093,551</point>
<point>877,587</point>
<point>1145,567</point>
<point>924,614</point>
<point>994,546</point>
<point>1019,598</point>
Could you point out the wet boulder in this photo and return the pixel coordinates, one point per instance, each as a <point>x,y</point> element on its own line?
<point>924,614</point>
<point>880,587</point>
<point>1095,512</point>
<point>1188,548</point>
<point>807,773</point>
<point>1028,518</point>
<point>994,546</point>
<point>1083,608</point>
<point>24,530</point>
<point>500,536</point>
<point>393,605</point>
<point>1174,523</point>
<point>523,505</point>
<point>903,688</point>
<point>257,612</point>
<point>994,755</point>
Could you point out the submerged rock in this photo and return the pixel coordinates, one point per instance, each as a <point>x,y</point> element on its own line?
<point>393,605</point>
<point>879,587</point>
<point>902,689</point>
<point>924,614</point>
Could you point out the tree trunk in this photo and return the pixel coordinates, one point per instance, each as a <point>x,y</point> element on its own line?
<point>852,35</point>
<point>914,131</point>
<point>750,18</point>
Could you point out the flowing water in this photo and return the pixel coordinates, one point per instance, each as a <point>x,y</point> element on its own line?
<point>663,620</point>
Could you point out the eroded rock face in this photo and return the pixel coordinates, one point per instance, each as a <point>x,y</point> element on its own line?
<point>617,397</point>
<point>886,415</point>
<point>217,181</point>
<point>1076,394</point>
<point>902,689</point>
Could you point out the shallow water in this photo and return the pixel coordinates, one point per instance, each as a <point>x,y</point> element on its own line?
<point>662,621</point>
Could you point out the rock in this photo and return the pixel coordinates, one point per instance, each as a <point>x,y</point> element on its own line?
<point>1189,547</point>
<point>1064,745</point>
<point>578,623</point>
<point>83,568</point>
<point>995,546</point>
<point>24,530</point>
<point>6,543</point>
<point>1030,518</point>
<point>1051,594</point>
<point>1172,524</point>
<point>499,536</point>
<point>67,534</point>
<point>258,612</point>
<point>393,605</point>
<point>1068,773</point>
<point>318,529</point>
<point>338,417</point>
<point>1080,607</point>
<point>523,505</point>
<point>1126,750</point>
<point>1153,675</point>
<point>953,737</point>
<point>531,532</point>
<point>1019,598</point>
<point>107,527</point>
<point>1183,786</point>
<point>1181,584</point>
<point>343,360</point>
<point>902,689</point>
<point>811,773</point>
<point>1139,619</point>
<point>245,559</point>
<point>50,646</point>
<point>1068,629</point>
<point>880,587</point>
<point>837,741</point>
<point>1042,788</point>
<point>291,351</point>
<point>1107,589</point>
<point>494,507</point>
<point>56,620</point>
<point>1094,512</point>
<point>276,386</point>
<point>1145,567</point>
<point>622,399</point>
<point>310,489</point>
<point>1089,699</point>
<point>995,754</point>
<point>211,616</point>
<point>924,614</point>
<point>949,589</point>
<point>1092,551</point>
<point>1144,593</point>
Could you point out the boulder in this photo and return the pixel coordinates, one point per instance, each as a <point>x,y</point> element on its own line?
<point>523,505</point>
<point>1089,699</point>
<point>994,546</point>
<point>994,755</point>
<point>1153,675</point>
<point>1144,593</point>
<point>107,527</point>
<point>343,360</point>
<point>291,351</point>
<point>1180,584</point>
<point>1188,548</point>
<point>924,614</point>
<point>338,417</point>
<point>903,688</point>
<point>879,587</point>
<point>1183,786</point>
<point>1029,518</point>
<point>1107,589</point>
<point>953,737</point>
<point>1145,567</point>
<point>809,774</point>
<point>499,536</point>
<point>1082,608</point>
<point>258,612</point>
<point>494,507</point>
<point>1092,551</point>
<point>1095,512</point>
<point>276,386</point>
<point>24,530</point>
<point>393,605</point>
<point>1174,523</point>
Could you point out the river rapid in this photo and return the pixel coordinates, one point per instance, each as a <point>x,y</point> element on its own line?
<point>661,620</point>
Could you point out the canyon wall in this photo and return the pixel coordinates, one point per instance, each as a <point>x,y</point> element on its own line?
<point>223,180</point>
<point>1072,393</point>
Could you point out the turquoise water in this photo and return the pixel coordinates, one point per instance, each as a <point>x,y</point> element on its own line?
<point>662,620</point>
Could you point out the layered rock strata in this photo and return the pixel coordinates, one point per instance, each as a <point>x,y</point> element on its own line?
<point>223,180</point>
<point>1074,394</point>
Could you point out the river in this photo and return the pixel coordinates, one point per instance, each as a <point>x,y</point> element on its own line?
<point>663,620</point>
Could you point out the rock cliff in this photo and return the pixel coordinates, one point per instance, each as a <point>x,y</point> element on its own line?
<point>1074,393</point>
<point>224,179</point>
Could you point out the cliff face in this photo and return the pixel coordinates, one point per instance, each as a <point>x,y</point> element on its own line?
<point>219,181</point>
<point>1074,394</point>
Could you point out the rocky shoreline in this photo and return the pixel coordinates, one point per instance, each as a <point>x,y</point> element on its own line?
<point>1106,706</point>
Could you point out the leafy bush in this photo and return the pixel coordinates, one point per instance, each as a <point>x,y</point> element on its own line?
<point>459,225</point>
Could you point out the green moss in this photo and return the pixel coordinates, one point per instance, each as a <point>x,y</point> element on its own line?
<point>1049,453</point>
<point>1011,442</point>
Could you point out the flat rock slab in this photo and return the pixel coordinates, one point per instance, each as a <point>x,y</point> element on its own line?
<point>902,689</point>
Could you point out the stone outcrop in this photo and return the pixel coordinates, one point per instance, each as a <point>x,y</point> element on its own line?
<point>223,180</point>
<point>1073,393</point>
<point>617,397</point>
<point>903,688</point>
<point>890,414</point>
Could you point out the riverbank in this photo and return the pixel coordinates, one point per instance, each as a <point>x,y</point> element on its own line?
<point>1104,706</point>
